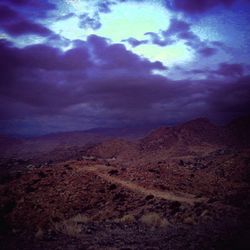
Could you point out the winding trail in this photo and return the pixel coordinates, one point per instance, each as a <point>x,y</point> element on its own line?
<point>167,195</point>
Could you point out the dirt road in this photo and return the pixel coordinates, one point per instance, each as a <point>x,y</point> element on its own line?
<point>102,171</point>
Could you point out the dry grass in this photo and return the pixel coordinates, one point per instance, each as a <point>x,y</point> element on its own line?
<point>67,227</point>
<point>128,218</point>
<point>154,220</point>
<point>79,218</point>
<point>72,226</point>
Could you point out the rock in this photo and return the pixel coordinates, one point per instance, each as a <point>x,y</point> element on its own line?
<point>113,172</point>
<point>149,197</point>
<point>112,187</point>
<point>175,207</point>
<point>152,170</point>
<point>189,220</point>
<point>181,163</point>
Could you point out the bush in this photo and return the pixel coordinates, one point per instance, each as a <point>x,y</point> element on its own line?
<point>128,218</point>
<point>67,227</point>
<point>79,218</point>
<point>154,220</point>
<point>71,227</point>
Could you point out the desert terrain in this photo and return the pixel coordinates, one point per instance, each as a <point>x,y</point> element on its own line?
<point>180,187</point>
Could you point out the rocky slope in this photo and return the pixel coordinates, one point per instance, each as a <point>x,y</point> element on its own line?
<point>179,187</point>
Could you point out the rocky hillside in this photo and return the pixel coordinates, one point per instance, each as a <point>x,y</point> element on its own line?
<point>182,187</point>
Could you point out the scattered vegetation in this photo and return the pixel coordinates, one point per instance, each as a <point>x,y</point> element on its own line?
<point>72,226</point>
<point>79,218</point>
<point>67,227</point>
<point>154,220</point>
<point>128,218</point>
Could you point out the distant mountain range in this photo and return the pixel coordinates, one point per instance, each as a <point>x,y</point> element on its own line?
<point>190,138</point>
<point>199,133</point>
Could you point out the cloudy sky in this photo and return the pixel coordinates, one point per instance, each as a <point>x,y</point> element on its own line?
<point>79,64</point>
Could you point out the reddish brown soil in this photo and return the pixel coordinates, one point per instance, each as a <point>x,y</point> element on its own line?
<point>192,176</point>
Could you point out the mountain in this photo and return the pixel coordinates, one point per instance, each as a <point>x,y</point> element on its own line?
<point>65,143</point>
<point>93,188</point>
<point>7,142</point>
<point>193,137</point>
<point>127,133</point>
<point>196,132</point>
<point>239,132</point>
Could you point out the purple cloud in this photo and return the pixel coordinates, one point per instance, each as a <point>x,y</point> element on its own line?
<point>123,100</point>
<point>230,70</point>
<point>16,25</point>
<point>7,14</point>
<point>104,6</point>
<point>196,7</point>
<point>46,88</point>
<point>160,39</point>
<point>177,26</point>
<point>207,51</point>
<point>85,21</point>
<point>181,30</point>
<point>134,42</point>
<point>37,67</point>
<point>225,70</point>
<point>232,98</point>
<point>117,56</point>
<point>189,36</point>
<point>44,57</point>
<point>32,4</point>
<point>25,27</point>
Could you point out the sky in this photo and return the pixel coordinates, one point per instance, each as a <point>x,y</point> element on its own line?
<point>79,64</point>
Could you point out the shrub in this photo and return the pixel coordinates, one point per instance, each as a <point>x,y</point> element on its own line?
<point>71,227</point>
<point>68,227</point>
<point>154,220</point>
<point>128,218</point>
<point>79,218</point>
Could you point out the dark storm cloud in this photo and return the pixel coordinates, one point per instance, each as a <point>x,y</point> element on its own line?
<point>15,24</point>
<point>117,56</point>
<point>232,98</point>
<point>177,26</point>
<point>207,51</point>
<point>45,77</point>
<point>109,86</point>
<point>41,6</point>
<point>194,6</point>
<point>7,14</point>
<point>44,57</point>
<point>25,27</point>
<point>33,9</point>
<point>230,69</point>
<point>225,70</point>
